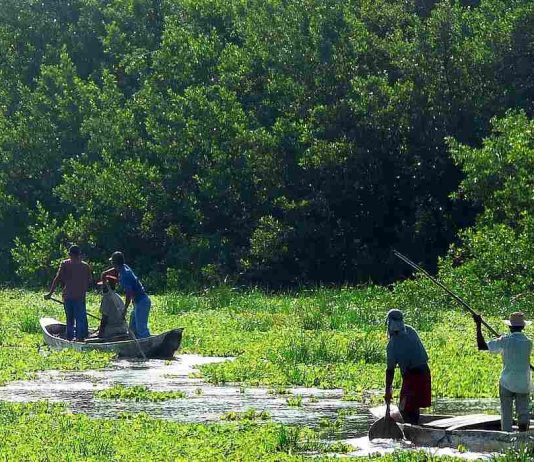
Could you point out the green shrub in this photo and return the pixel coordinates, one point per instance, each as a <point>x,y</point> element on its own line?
<point>29,322</point>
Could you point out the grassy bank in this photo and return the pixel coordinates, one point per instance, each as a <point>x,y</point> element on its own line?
<point>42,432</point>
<point>333,338</point>
<point>323,338</point>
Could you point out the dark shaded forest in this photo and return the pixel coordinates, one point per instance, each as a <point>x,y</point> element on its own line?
<point>270,142</point>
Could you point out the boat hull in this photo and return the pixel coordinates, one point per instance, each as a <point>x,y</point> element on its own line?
<point>162,346</point>
<point>477,440</point>
<point>474,432</point>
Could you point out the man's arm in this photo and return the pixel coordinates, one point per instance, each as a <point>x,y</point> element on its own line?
<point>108,272</point>
<point>481,343</point>
<point>391,364</point>
<point>390,374</point>
<point>53,286</point>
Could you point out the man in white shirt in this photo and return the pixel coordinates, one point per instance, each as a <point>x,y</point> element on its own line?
<point>514,384</point>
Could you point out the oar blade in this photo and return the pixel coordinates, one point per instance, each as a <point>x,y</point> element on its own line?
<point>385,428</point>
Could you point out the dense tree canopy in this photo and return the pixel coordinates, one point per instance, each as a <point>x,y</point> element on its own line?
<point>271,141</point>
<point>500,177</point>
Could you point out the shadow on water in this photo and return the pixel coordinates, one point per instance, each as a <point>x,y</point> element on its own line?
<point>208,403</point>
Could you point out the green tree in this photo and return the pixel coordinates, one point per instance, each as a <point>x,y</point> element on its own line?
<point>498,176</point>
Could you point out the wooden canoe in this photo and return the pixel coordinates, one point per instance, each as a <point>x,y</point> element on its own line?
<point>162,346</point>
<point>478,433</point>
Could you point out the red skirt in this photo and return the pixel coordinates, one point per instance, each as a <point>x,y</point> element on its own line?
<point>416,391</point>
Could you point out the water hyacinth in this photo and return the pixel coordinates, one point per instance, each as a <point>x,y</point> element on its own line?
<point>138,393</point>
<point>267,335</point>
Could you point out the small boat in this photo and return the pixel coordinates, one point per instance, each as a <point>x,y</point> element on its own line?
<point>476,432</point>
<point>160,346</point>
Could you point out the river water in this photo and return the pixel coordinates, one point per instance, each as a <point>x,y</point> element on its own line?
<point>208,403</point>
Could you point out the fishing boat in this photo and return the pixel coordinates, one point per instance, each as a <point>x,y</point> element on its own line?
<point>162,346</point>
<point>476,432</point>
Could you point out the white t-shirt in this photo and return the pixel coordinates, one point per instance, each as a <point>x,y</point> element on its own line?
<point>515,349</point>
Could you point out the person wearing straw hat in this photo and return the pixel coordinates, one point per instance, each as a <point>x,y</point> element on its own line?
<point>406,350</point>
<point>514,384</point>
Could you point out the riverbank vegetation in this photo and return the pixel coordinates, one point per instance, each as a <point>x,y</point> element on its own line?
<point>69,437</point>
<point>330,338</point>
<point>138,393</point>
<point>261,142</point>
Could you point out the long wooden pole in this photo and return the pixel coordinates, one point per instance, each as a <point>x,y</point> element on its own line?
<point>60,302</point>
<point>444,287</point>
<point>415,266</point>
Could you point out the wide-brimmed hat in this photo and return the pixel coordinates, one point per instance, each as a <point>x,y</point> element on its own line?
<point>516,319</point>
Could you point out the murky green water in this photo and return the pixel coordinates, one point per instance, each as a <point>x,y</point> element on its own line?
<point>208,403</point>
<point>204,402</point>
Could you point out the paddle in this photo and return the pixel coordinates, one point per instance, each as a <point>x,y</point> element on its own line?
<point>386,428</point>
<point>132,335</point>
<point>61,302</point>
<point>447,290</point>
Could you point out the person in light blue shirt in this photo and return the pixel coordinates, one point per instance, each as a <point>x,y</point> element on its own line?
<point>514,384</point>
<point>134,292</point>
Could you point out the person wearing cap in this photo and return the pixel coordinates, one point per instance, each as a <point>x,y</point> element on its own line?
<point>406,350</point>
<point>514,383</point>
<point>134,292</point>
<point>75,276</point>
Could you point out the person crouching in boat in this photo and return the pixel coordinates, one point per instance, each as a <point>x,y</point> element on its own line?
<point>135,293</point>
<point>514,384</point>
<point>113,312</point>
<point>406,350</point>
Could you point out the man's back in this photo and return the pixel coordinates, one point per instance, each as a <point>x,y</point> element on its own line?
<point>515,349</point>
<point>75,277</point>
<point>406,350</point>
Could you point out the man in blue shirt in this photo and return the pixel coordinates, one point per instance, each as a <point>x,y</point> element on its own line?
<point>134,292</point>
